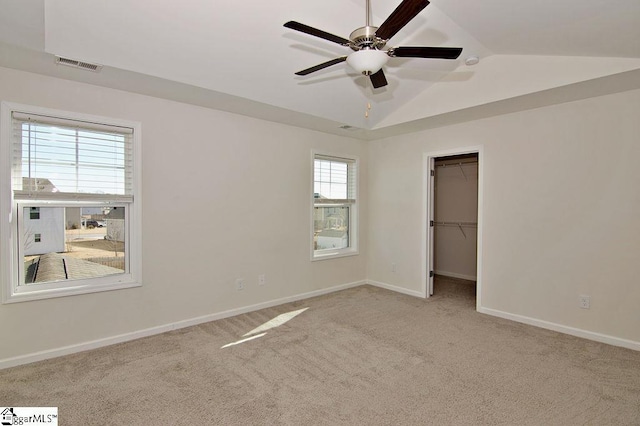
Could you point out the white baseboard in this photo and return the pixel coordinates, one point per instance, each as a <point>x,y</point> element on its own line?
<point>397,289</point>
<point>80,347</point>
<point>590,335</point>
<point>456,275</point>
<point>94,344</point>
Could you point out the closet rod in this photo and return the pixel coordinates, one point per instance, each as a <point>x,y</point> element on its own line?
<point>458,225</point>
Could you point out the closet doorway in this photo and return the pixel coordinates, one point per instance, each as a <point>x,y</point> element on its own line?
<point>452,261</point>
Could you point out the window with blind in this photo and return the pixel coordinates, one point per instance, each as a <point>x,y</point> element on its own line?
<point>334,206</point>
<point>73,196</point>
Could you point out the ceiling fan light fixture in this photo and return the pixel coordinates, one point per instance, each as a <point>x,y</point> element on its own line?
<point>367,61</point>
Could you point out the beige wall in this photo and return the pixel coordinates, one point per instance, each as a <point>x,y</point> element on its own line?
<point>224,197</point>
<point>561,202</point>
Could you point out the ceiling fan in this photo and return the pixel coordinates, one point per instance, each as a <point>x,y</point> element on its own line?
<point>367,42</point>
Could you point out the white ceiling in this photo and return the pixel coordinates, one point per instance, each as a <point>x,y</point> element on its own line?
<point>238,54</point>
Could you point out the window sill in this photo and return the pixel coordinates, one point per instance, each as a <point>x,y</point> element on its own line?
<point>333,254</point>
<point>27,296</point>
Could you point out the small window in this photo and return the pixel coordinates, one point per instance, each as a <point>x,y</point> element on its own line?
<point>34,214</point>
<point>64,168</point>
<point>334,206</point>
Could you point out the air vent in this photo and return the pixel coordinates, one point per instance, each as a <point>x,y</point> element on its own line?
<point>347,127</point>
<point>78,64</point>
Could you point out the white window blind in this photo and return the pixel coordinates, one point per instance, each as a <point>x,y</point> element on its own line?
<point>56,158</point>
<point>334,180</point>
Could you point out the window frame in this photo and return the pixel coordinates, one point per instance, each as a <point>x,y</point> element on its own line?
<point>353,206</point>
<point>10,219</point>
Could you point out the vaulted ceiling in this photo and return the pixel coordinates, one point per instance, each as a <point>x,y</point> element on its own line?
<point>237,56</point>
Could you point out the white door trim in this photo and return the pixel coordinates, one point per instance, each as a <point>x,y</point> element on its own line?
<point>427,208</point>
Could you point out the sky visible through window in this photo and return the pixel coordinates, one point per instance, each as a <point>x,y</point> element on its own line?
<point>74,160</point>
<point>330,179</point>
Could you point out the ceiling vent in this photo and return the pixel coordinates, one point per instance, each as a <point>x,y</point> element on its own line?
<point>78,64</point>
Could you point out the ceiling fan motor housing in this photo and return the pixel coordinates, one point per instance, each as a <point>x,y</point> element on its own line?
<point>365,37</point>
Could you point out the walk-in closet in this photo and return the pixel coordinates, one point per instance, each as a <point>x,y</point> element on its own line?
<point>455,223</point>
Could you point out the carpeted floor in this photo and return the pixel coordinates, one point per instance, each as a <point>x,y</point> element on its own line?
<point>364,356</point>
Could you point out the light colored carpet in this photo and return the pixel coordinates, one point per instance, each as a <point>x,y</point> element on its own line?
<point>364,356</point>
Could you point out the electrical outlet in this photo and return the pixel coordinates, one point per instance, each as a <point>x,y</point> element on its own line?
<point>240,284</point>
<point>262,279</point>
<point>584,302</point>
<point>393,267</point>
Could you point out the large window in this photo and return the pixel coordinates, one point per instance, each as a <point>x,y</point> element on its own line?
<point>71,184</point>
<point>334,206</point>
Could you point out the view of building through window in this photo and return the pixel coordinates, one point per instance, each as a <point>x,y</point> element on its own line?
<point>73,243</point>
<point>331,227</point>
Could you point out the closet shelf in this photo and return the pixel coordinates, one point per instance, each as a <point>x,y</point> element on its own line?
<point>467,224</point>
<point>459,164</point>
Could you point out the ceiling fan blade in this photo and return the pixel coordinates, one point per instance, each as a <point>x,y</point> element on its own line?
<point>405,12</point>
<point>316,32</point>
<point>425,52</point>
<point>378,79</point>
<point>322,65</point>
